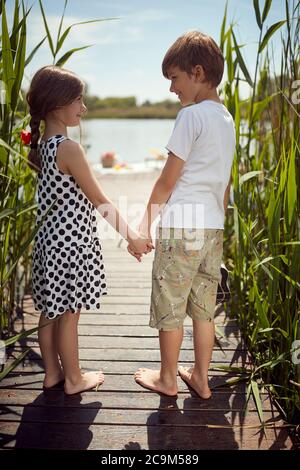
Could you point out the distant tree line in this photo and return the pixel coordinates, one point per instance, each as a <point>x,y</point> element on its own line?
<point>127,107</point>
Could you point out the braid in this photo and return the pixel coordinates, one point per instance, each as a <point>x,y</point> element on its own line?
<point>51,87</point>
<point>33,156</point>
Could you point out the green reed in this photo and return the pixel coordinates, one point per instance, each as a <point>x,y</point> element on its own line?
<point>17,180</point>
<point>262,245</point>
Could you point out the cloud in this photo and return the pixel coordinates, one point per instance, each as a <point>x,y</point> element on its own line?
<point>104,32</point>
<point>151,15</point>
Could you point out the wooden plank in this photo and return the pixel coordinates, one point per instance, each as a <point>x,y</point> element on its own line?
<point>124,283</point>
<point>224,399</point>
<point>127,268</point>
<point>115,309</point>
<point>112,382</point>
<point>133,331</point>
<point>120,292</point>
<point>116,354</point>
<point>111,367</point>
<point>90,436</point>
<point>126,300</point>
<point>121,342</point>
<point>115,255</point>
<point>107,339</point>
<point>28,307</point>
<point>100,415</point>
<point>120,319</point>
<point>116,282</point>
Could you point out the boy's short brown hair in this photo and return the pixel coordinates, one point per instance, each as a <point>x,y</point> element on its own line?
<point>195,48</point>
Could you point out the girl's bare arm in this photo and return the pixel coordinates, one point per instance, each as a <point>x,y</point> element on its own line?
<point>73,157</point>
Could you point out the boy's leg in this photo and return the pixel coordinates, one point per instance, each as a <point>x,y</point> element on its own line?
<point>172,276</point>
<point>165,379</point>
<point>201,307</point>
<point>197,376</point>
<point>75,380</point>
<point>47,335</point>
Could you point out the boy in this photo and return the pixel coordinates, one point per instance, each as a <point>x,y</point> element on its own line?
<point>195,184</point>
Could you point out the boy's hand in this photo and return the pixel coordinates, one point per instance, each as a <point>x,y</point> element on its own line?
<point>140,245</point>
<point>138,256</point>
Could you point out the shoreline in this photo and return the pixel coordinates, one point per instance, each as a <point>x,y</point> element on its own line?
<point>131,169</point>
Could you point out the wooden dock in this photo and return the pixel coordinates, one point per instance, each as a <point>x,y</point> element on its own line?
<point>122,415</point>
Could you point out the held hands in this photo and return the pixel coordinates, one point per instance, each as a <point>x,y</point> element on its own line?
<point>140,244</point>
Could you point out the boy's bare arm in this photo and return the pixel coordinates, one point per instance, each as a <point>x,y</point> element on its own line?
<point>162,190</point>
<point>226,195</point>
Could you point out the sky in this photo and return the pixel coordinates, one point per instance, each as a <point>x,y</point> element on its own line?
<point>126,56</point>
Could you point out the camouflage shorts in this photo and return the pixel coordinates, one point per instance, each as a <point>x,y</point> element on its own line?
<point>185,276</point>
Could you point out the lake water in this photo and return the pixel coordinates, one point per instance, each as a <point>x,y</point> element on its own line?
<point>133,140</point>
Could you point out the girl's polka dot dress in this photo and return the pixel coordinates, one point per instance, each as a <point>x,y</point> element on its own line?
<point>67,264</point>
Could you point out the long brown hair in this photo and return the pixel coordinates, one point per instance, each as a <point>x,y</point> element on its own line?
<point>51,87</point>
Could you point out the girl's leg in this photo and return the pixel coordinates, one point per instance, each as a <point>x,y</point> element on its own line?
<point>47,336</point>
<point>165,379</point>
<point>197,376</point>
<point>75,380</point>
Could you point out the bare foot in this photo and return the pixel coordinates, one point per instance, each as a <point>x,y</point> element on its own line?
<point>200,386</point>
<point>86,381</point>
<point>152,379</point>
<point>51,380</point>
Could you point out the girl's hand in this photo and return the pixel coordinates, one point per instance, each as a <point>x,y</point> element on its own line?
<point>138,256</point>
<point>139,245</point>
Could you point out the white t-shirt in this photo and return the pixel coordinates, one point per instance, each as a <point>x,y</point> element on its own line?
<point>204,137</point>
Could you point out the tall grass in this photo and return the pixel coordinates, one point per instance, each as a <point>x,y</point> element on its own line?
<point>17,184</point>
<point>263,247</point>
<point>17,180</point>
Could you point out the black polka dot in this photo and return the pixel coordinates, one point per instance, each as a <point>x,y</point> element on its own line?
<point>67,263</point>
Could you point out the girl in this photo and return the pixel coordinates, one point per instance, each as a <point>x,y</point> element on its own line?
<point>67,265</point>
